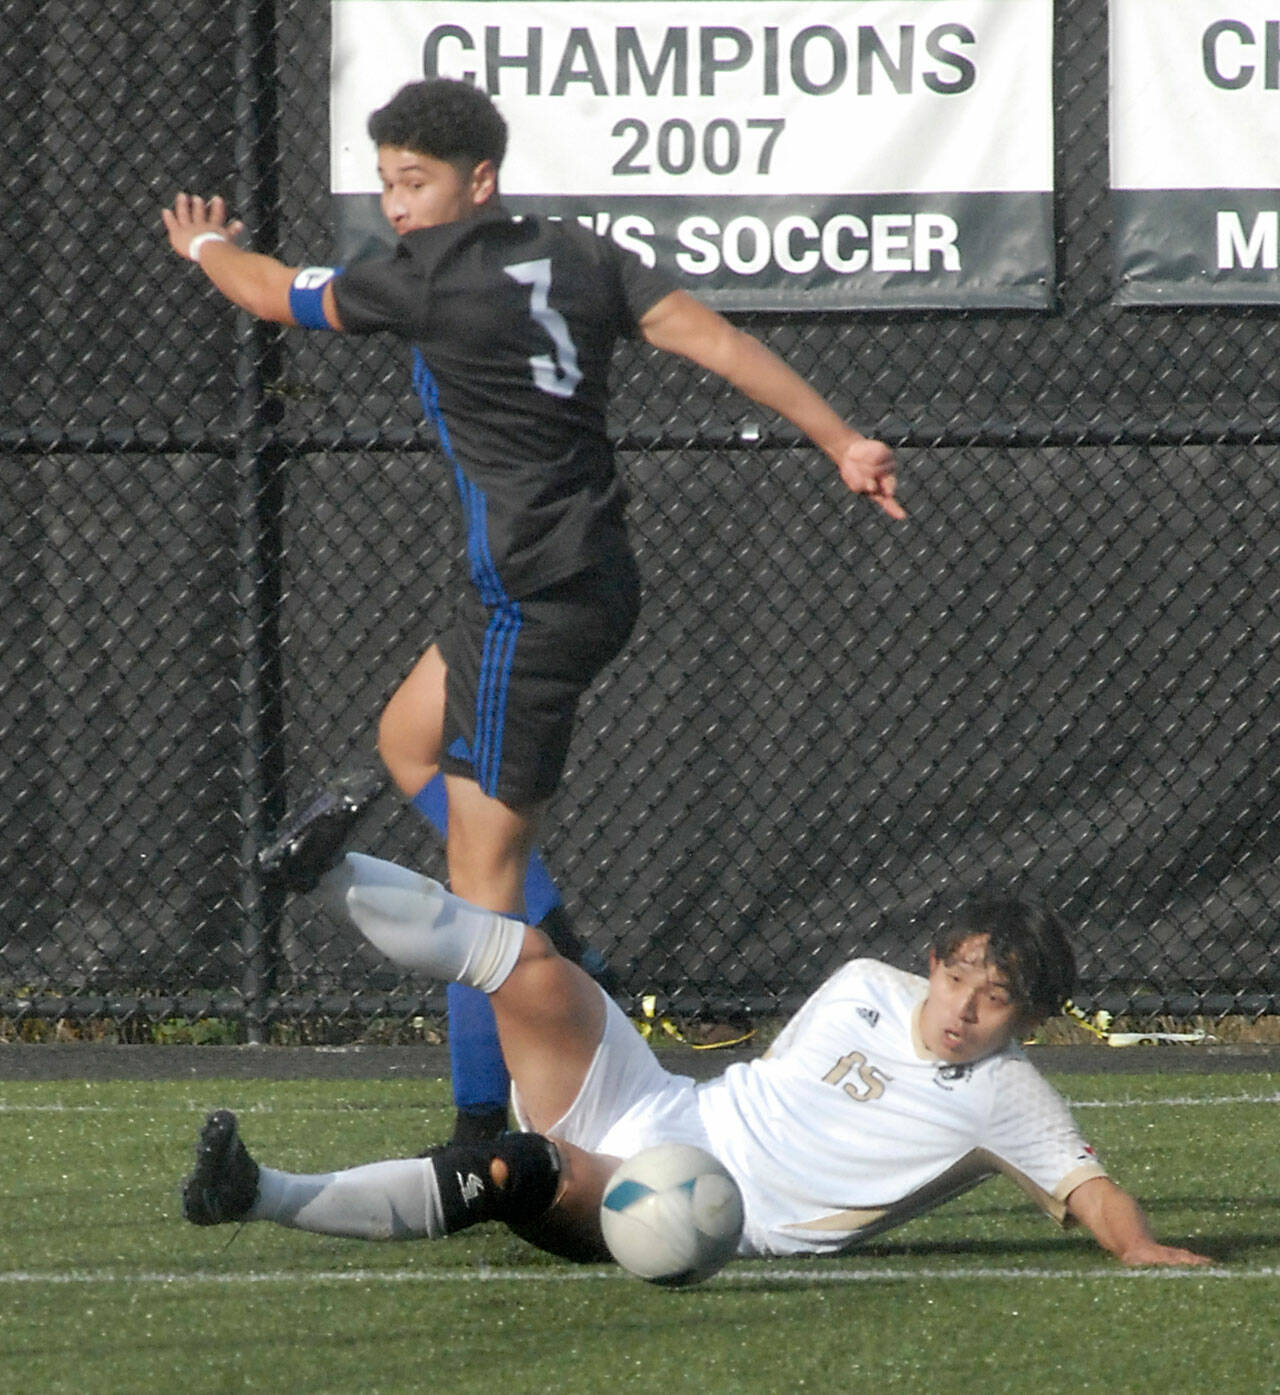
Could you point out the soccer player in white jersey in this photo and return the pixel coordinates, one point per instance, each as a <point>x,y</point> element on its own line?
<point>886,1095</point>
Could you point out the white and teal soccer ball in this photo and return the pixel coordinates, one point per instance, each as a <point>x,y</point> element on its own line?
<point>672,1215</point>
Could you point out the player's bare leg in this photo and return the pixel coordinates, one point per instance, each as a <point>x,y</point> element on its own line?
<point>488,848</point>
<point>491,864</point>
<point>571,1228</point>
<point>410,742</point>
<point>411,729</point>
<point>550,1016</point>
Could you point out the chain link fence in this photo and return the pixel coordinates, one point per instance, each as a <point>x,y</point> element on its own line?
<point>224,546</point>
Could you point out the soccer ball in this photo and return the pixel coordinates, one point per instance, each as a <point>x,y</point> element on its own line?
<point>672,1215</point>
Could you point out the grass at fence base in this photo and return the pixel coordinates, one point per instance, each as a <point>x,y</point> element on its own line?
<point>226,1031</point>
<point>104,1288</point>
<point>433,1031</point>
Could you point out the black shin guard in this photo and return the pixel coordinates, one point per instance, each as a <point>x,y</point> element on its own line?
<point>468,1193</point>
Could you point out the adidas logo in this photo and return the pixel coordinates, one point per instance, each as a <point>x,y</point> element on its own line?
<point>869,1015</point>
<point>469,1186</point>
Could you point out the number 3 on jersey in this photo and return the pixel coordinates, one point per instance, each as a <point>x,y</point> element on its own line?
<point>557,372</point>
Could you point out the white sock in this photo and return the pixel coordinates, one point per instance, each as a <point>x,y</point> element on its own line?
<point>416,923</point>
<point>396,1200</point>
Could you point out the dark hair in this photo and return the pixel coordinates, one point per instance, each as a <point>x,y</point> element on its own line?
<point>1026,942</point>
<point>449,120</point>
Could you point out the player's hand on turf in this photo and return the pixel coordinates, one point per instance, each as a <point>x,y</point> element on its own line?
<point>866,466</point>
<point>191,215</point>
<point>1153,1253</point>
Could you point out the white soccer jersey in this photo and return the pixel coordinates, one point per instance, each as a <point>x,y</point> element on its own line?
<point>849,1126</point>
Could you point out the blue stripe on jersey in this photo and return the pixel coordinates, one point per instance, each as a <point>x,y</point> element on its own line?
<point>498,655</point>
<point>429,395</point>
<point>476,508</point>
<point>496,663</point>
<point>484,574</point>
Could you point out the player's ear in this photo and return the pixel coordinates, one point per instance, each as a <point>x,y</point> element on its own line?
<point>484,183</point>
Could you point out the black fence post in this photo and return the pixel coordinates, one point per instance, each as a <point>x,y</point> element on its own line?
<point>259,465</point>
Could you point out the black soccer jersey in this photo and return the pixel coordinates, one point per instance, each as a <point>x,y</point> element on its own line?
<point>514,321</point>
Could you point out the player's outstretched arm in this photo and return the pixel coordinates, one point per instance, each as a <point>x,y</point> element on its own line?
<point>1118,1224</point>
<point>682,325</point>
<point>201,232</point>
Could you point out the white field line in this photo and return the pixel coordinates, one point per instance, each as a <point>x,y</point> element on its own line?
<point>1164,1102</point>
<point>1180,1101</point>
<point>868,1274</point>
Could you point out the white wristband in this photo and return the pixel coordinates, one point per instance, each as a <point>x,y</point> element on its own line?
<point>198,241</point>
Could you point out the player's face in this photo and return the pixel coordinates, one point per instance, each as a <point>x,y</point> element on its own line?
<point>969,1011</point>
<point>419,191</point>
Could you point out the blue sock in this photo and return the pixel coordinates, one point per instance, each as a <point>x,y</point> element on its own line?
<point>479,1074</point>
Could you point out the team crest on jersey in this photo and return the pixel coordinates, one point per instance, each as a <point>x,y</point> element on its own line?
<point>869,1015</point>
<point>949,1075</point>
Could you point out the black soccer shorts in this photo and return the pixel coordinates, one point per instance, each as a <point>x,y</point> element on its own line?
<point>516,672</point>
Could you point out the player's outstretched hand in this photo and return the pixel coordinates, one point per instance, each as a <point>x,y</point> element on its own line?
<point>866,466</point>
<point>1153,1253</point>
<point>191,216</point>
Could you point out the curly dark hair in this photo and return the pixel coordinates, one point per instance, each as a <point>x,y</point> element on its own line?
<point>448,120</point>
<point>1027,943</point>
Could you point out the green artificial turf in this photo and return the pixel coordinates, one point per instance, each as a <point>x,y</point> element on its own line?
<point>104,1288</point>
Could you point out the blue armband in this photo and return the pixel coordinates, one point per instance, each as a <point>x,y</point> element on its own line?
<point>306,296</point>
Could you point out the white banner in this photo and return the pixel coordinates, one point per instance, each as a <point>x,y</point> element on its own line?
<point>772,153</point>
<point>1195,150</point>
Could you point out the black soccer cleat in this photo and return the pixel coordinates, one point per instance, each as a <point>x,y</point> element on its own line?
<point>310,843</point>
<point>224,1183</point>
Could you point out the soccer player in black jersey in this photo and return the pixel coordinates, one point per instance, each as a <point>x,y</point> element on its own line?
<point>513,321</point>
